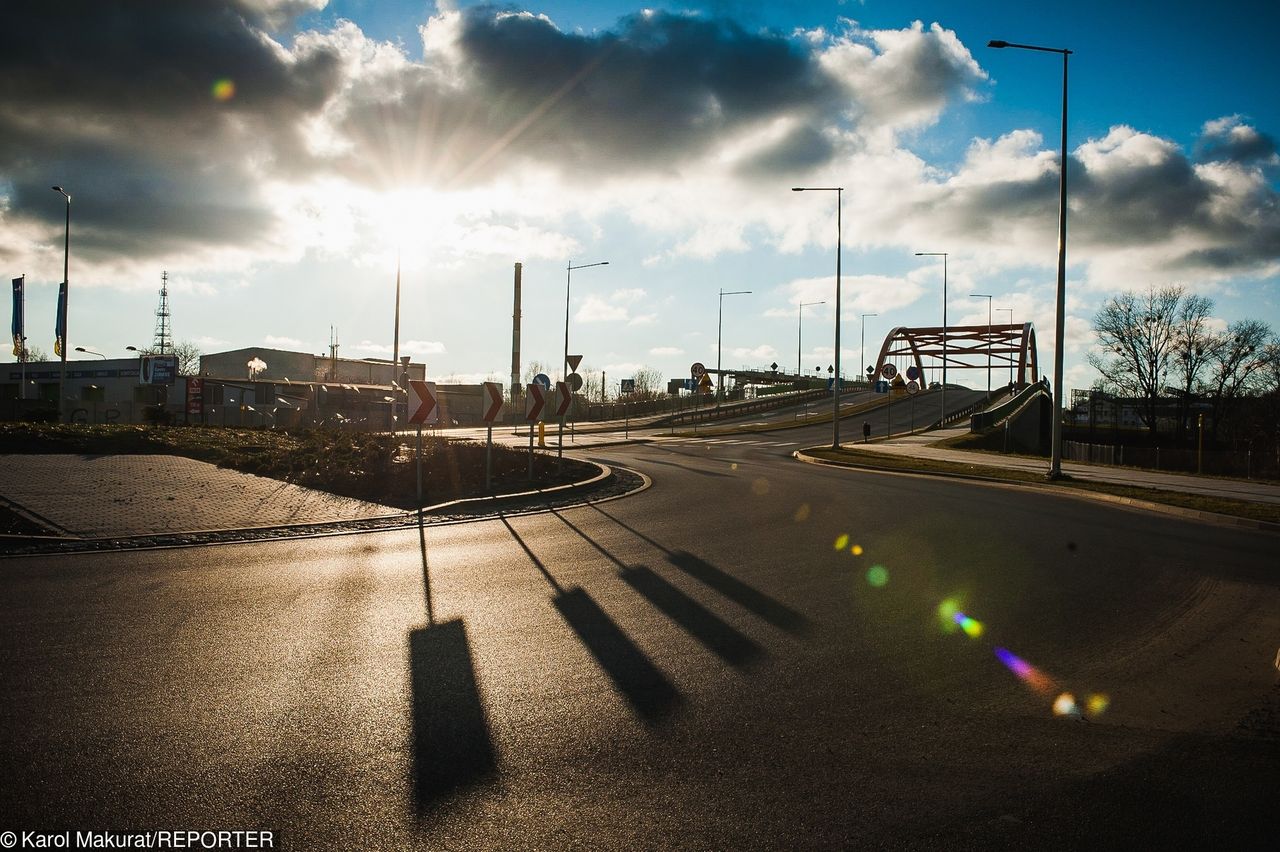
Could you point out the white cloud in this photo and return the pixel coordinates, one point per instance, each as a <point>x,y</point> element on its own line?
<point>666,350</point>
<point>290,343</point>
<point>413,348</point>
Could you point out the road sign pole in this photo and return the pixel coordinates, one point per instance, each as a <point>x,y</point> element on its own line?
<point>531,452</point>
<point>560,446</point>
<point>488,459</point>
<point>419,467</point>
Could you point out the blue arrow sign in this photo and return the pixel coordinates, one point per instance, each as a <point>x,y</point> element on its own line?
<point>542,379</point>
<point>882,386</point>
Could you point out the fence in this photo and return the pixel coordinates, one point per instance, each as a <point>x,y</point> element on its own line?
<point>1244,463</point>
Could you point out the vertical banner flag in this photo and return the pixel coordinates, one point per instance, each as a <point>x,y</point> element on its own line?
<point>60,327</point>
<point>17,316</point>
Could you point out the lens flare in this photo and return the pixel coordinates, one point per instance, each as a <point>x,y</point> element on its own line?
<point>1065,705</point>
<point>971,626</point>
<point>760,487</point>
<point>856,550</point>
<point>877,576</point>
<point>1027,673</point>
<point>802,514</point>
<point>946,614</point>
<point>1097,704</point>
<point>842,541</point>
<point>224,89</point>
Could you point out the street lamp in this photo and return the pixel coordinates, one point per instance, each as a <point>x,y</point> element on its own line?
<point>799,322</point>
<point>91,352</point>
<point>568,277</point>
<point>1055,464</point>
<point>943,255</point>
<point>1009,311</point>
<point>719,326</point>
<point>988,298</point>
<point>862,360</point>
<point>62,303</point>
<point>835,386</point>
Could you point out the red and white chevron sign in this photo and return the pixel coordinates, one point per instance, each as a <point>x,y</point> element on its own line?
<point>493,394</point>
<point>426,411</point>
<point>564,398</point>
<point>534,398</point>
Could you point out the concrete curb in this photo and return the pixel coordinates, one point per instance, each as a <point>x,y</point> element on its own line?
<point>302,529</point>
<point>1080,493</point>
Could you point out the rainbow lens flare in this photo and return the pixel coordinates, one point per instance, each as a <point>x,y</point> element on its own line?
<point>970,626</point>
<point>842,541</point>
<point>224,90</point>
<point>856,550</point>
<point>946,614</point>
<point>1097,704</point>
<point>1065,705</point>
<point>877,576</point>
<point>802,514</point>
<point>1025,672</point>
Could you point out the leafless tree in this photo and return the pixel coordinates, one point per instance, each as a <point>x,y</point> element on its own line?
<point>1239,366</point>
<point>649,383</point>
<point>1137,336</point>
<point>1193,346</point>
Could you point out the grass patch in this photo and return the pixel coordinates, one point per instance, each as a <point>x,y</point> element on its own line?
<point>376,467</point>
<point>1199,502</point>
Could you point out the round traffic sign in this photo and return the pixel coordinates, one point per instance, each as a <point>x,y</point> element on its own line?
<point>913,372</point>
<point>542,379</point>
<point>913,386</point>
<point>888,371</point>
<point>697,370</point>
<point>575,382</point>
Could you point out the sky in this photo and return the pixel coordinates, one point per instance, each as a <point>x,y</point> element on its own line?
<point>278,158</point>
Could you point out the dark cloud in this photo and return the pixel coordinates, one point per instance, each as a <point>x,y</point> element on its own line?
<point>115,101</point>
<point>1229,140</point>
<point>799,151</point>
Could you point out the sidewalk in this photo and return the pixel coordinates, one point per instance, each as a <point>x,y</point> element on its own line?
<point>119,496</point>
<point>922,447</point>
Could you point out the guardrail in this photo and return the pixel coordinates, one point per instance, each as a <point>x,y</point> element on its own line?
<point>989,417</point>
<point>737,409</point>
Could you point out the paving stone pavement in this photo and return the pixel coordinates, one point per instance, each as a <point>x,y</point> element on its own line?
<point>104,496</point>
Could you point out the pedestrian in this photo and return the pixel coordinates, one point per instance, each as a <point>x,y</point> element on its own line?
<point>866,431</point>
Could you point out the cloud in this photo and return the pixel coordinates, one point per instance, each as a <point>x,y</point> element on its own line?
<point>1230,139</point>
<point>617,307</point>
<point>666,350</point>
<point>417,348</point>
<point>289,343</point>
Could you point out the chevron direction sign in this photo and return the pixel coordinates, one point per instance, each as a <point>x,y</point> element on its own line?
<point>426,411</point>
<point>493,396</point>
<point>564,398</point>
<point>535,398</point>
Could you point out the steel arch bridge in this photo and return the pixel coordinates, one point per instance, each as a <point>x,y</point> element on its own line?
<point>962,347</point>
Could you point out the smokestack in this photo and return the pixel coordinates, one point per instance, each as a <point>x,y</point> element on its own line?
<point>515,341</point>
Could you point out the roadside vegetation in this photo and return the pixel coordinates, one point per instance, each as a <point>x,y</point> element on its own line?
<point>376,467</point>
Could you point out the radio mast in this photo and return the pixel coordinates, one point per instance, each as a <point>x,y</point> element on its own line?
<point>163,342</point>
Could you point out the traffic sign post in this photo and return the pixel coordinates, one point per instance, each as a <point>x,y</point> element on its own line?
<point>533,402</point>
<point>493,395</point>
<point>425,411</point>
<point>564,399</point>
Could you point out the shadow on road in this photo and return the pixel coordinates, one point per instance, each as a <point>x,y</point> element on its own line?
<point>451,743</point>
<point>745,595</point>
<point>702,624</point>
<point>644,686</point>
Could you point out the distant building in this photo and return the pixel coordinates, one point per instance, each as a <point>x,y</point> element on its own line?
<point>281,365</point>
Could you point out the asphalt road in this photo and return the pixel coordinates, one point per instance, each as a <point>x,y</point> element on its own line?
<point>695,666</point>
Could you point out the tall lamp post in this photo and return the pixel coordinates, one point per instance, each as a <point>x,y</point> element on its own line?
<point>568,278</point>
<point>62,302</point>
<point>800,330</point>
<point>719,326</point>
<point>91,352</point>
<point>835,385</point>
<point>862,355</point>
<point>943,255</point>
<point>1055,464</point>
<point>988,298</point>
<point>1009,311</point>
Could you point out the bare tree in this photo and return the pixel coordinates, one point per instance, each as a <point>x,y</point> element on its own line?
<point>1238,366</point>
<point>649,384</point>
<point>1137,335</point>
<point>1193,345</point>
<point>33,353</point>
<point>534,368</point>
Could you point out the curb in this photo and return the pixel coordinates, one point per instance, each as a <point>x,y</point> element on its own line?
<point>1080,493</point>
<point>397,520</point>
